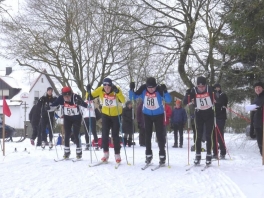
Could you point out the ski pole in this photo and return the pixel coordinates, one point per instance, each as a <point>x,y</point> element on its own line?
<point>165,119</point>
<point>133,126</point>
<point>88,135</point>
<point>218,130</point>
<point>90,124</point>
<point>215,131</point>
<point>51,128</point>
<point>118,115</point>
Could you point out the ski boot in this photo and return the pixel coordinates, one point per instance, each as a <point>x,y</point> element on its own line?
<point>197,159</point>
<point>208,159</point>
<point>162,160</point>
<point>87,146</point>
<point>32,142</point>
<point>117,158</point>
<point>148,159</point>
<point>50,145</point>
<point>67,152</point>
<point>78,153</point>
<point>175,146</point>
<point>222,157</point>
<point>96,146</point>
<point>106,156</point>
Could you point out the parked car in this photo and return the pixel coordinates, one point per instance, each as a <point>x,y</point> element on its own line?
<point>9,131</point>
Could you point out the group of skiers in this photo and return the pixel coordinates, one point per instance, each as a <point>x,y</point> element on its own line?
<point>205,106</point>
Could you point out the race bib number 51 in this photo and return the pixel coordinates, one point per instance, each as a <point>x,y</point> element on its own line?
<point>203,101</point>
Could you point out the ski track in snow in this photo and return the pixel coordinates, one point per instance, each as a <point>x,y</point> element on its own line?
<point>37,175</point>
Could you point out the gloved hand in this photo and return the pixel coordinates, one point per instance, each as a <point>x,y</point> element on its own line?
<point>100,107</point>
<point>132,86</point>
<point>115,89</point>
<point>88,88</point>
<point>78,101</point>
<point>141,89</point>
<point>188,91</point>
<point>47,107</point>
<point>163,88</point>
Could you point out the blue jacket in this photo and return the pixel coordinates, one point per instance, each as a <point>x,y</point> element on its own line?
<point>178,116</point>
<point>160,110</point>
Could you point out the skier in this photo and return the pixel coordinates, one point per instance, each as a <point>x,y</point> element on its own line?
<point>204,116</point>
<point>141,123</point>
<point>258,113</point>
<point>89,115</point>
<point>153,110</point>
<point>72,118</point>
<point>34,118</point>
<point>110,96</point>
<point>221,101</point>
<point>43,104</point>
<point>178,120</point>
<point>127,123</point>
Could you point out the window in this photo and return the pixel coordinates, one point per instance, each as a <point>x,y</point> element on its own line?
<point>36,95</point>
<point>42,80</point>
<point>4,92</point>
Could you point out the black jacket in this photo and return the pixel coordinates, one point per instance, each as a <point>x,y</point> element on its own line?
<point>127,123</point>
<point>42,103</point>
<point>221,103</point>
<point>34,115</point>
<point>258,114</point>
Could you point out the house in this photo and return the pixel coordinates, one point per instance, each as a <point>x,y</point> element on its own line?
<point>20,94</point>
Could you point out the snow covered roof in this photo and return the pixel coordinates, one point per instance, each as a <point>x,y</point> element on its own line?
<point>10,81</point>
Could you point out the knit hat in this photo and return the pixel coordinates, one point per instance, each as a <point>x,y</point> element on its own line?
<point>151,82</point>
<point>66,91</point>
<point>178,102</point>
<point>107,81</point>
<point>201,80</point>
<point>258,84</point>
<point>49,88</point>
<point>217,85</point>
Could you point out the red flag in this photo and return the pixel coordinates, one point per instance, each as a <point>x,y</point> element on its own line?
<point>6,110</point>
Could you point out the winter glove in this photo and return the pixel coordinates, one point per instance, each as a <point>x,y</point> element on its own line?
<point>88,88</point>
<point>141,89</point>
<point>188,91</point>
<point>100,107</point>
<point>78,101</point>
<point>163,88</point>
<point>132,86</point>
<point>115,89</point>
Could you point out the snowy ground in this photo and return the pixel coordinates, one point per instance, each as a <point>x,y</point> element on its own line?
<point>35,174</point>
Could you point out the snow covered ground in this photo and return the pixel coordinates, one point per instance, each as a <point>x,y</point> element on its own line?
<point>35,174</point>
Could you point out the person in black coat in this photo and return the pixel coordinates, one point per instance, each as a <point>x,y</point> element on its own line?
<point>204,116</point>
<point>258,113</point>
<point>127,123</point>
<point>34,118</point>
<point>43,103</point>
<point>221,101</point>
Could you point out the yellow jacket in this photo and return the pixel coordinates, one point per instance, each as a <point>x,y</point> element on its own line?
<point>108,101</point>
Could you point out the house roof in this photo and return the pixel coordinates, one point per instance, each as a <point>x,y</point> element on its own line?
<point>10,81</point>
<point>50,81</point>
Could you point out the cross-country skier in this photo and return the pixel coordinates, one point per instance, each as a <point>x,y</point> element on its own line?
<point>43,104</point>
<point>221,101</point>
<point>72,118</point>
<point>110,97</point>
<point>258,113</point>
<point>153,110</point>
<point>204,116</point>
